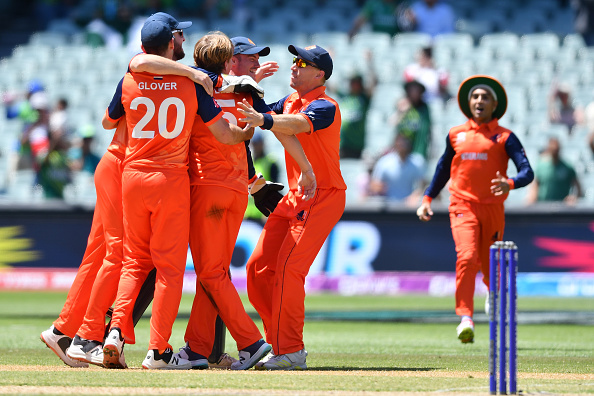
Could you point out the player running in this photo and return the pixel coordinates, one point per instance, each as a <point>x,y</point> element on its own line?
<point>475,159</point>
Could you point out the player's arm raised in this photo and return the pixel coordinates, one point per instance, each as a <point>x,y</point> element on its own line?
<point>147,63</point>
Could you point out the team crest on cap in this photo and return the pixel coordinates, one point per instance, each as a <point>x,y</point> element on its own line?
<point>310,47</point>
<point>251,42</point>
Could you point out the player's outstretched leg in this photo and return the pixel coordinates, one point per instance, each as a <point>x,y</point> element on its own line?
<point>59,344</point>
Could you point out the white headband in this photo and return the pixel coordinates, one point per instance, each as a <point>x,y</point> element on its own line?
<point>485,87</point>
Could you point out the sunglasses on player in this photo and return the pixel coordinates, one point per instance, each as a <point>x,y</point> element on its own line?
<point>181,32</point>
<point>303,63</point>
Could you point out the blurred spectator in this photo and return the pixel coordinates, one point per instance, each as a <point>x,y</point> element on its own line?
<point>20,107</point>
<point>34,142</point>
<point>58,119</point>
<point>584,19</point>
<point>265,164</point>
<point>398,175</point>
<point>354,105</point>
<point>413,119</point>
<point>388,16</point>
<point>82,157</point>
<point>561,108</point>
<point>424,71</point>
<point>433,17</point>
<point>555,180</point>
<point>589,121</point>
<point>54,171</point>
<point>99,33</point>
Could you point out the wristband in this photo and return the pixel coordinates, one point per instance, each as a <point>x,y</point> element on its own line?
<point>268,121</point>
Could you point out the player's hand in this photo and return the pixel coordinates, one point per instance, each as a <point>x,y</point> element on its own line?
<point>203,79</point>
<point>424,211</point>
<point>266,195</point>
<point>249,133</point>
<point>266,69</point>
<point>500,185</point>
<point>307,185</point>
<point>252,117</point>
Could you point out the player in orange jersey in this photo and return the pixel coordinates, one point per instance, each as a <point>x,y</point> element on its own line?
<point>296,230</point>
<point>156,193</point>
<point>475,160</point>
<point>95,285</point>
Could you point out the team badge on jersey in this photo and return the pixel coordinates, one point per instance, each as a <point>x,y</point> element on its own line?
<point>461,137</point>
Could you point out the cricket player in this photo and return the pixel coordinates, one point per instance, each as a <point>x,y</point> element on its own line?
<point>95,285</point>
<point>155,174</point>
<point>475,159</point>
<point>296,230</point>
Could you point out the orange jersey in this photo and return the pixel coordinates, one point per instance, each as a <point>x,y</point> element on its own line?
<point>480,154</point>
<point>215,163</point>
<point>160,113</point>
<point>321,143</point>
<point>119,142</point>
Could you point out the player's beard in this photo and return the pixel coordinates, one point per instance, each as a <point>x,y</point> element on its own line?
<point>178,52</point>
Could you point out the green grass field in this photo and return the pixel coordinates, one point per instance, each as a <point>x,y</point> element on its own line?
<point>416,351</point>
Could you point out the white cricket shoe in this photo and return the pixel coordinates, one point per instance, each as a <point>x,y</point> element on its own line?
<point>165,361</point>
<point>251,355</point>
<point>288,361</point>
<point>224,362</point>
<point>465,331</point>
<point>87,351</point>
<point>59,344</point>
<point>113,348</point>
<point>198,361</point>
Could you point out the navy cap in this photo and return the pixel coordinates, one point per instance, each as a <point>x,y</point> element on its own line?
<point>169,20</point>
<point>316,55</point>
<point>155,33</point>
<point>245,46</point>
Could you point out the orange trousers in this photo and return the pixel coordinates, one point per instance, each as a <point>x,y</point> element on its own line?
<point>292,237</point>
<point>156,206</point>
<point>215,218</point>
<point>107,183</point>
<point>105,287</point>
<point>474,227</point>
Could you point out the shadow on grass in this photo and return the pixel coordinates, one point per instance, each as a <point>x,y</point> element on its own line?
<point>372,369</point>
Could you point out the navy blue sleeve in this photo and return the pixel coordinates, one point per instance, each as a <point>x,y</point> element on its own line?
<point>213,76</point>
<point>116,108</point>
<point>442,170</point>
<point>208,108</point>
<point>250,160</point>
<point>515,151</point>
<point>321,113</point>
<point>277,107</point>
<point>259,105</point>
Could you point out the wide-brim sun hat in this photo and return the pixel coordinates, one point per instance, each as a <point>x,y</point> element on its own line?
<point>481,81</point>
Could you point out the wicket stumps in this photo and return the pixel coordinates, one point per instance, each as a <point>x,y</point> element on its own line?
<point>503,269</point>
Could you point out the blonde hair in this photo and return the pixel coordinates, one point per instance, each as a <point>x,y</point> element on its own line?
<point>212,51</point>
